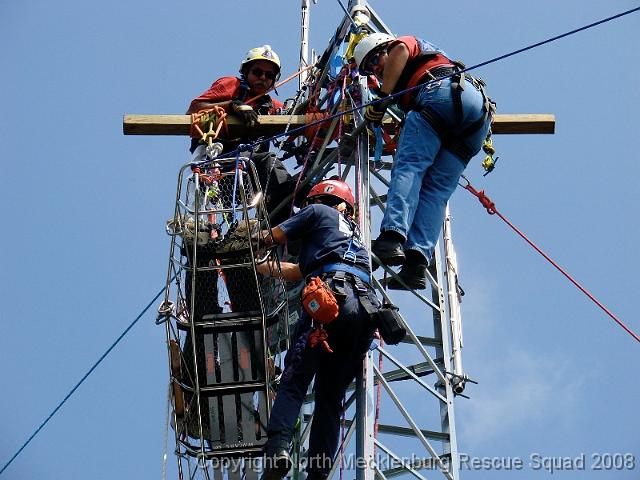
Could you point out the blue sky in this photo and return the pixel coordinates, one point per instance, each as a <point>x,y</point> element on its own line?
<point>84,210</point>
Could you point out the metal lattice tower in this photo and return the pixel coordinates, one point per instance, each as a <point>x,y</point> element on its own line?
<point>402,424</point>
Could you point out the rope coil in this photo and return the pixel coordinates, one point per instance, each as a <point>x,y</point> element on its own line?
<point>215,118</point>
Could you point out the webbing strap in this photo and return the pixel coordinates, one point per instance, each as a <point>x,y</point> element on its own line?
<point>435,120</point>
<point>342,267</point>
<point>363,296</point>
<point>457,85</point>
<point>455,142</point>
<point>362,283</point>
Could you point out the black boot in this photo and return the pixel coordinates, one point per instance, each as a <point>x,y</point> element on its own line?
<point>277,466</point>
<point>413,273</point>
<point>388,248</point>
<point>317,476</point>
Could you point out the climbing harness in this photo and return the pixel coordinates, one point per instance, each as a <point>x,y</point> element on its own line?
<point>455,141</point>
<point>491,209</point>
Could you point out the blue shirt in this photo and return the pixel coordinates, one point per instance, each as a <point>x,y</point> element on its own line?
<point>325,235</point>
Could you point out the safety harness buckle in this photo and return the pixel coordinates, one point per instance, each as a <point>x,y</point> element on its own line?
<point>349,257</point>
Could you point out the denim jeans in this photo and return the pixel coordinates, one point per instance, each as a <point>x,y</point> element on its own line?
<point>350,336</point>
<point>424,174</point>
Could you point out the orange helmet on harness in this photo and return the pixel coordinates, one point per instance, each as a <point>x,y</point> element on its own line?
<point>337,189</point>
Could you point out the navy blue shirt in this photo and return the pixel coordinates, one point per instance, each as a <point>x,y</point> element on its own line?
<point>324,234</point>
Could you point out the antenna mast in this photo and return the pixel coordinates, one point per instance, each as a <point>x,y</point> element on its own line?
<point>304,41</point>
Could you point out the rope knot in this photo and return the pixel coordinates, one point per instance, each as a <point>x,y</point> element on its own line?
<point>319,336</point>
<point>486,202</point>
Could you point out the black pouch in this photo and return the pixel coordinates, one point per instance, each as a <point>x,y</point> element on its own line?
<point>390,324</point>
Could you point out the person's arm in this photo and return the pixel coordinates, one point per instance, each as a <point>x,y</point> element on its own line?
<point>290,271</point>
<point>276,235</point>
<point>202,105</point>
<point>396,60</point>
<point>220,93</point>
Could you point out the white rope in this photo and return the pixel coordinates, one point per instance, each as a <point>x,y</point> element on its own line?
<point>166,434</point>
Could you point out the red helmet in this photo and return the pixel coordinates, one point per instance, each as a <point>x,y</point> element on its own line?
<point>333,188</point>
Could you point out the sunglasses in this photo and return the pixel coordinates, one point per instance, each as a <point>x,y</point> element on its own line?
<point>373,61</point>
<point>258,72</point>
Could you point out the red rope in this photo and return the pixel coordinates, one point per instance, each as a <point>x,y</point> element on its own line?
<point>491,209</point>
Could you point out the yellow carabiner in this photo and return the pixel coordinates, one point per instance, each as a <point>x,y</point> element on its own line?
<point>488,163</point>
<point>487,146</point>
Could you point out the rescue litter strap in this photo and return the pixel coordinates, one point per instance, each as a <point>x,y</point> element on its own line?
<point>491,209</point>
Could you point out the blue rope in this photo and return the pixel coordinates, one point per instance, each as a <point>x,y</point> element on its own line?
<point>95,365</point>
<point>482,64</point>
<point>377,154</point>
<point>346,12</point>
<point>235,177</point>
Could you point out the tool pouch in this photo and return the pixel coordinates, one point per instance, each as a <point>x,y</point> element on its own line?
<point>319,301</point>
<point>390,324</point>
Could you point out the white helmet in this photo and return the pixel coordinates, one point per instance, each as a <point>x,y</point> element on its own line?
<point>367,45</point>
<point>265,52</point>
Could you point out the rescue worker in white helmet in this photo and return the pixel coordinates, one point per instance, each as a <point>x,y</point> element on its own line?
<point>448,117</point>
<point>330,248</point>
<point>259,70</point>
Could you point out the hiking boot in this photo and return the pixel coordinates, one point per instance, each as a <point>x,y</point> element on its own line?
<point>414,275</point>
<point>277,466</point>
<point>388,248</point>
<point>236,240</point>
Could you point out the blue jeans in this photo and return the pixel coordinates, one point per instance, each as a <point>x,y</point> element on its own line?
<point>349,336</point>
<point>424,173</point>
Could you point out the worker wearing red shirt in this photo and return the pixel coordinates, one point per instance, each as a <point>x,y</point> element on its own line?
<point>259,70</point>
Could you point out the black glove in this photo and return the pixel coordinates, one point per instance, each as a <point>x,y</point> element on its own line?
<point>375,111</point>
<point>245,112</point>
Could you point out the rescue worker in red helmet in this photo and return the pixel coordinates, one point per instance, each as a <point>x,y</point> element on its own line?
<point>330,248</point>
<point>448,117</point>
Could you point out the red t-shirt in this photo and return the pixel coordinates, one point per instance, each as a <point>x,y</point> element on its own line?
<point>228,88</point>
<point>417,66</point>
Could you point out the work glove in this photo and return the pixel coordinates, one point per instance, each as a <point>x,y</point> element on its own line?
<point>375,111</point>
<point>245,112</point>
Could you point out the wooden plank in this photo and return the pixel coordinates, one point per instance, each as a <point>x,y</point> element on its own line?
<point>180,124</point>
<point>524,123</point>
<point>274,124</point>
